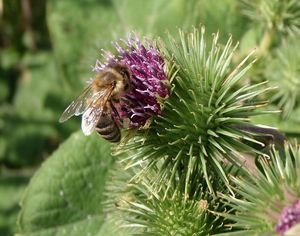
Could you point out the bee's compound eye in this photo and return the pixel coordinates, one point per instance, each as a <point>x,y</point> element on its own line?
<point>125,73</point>
<point>116,100</point>
<point>126,87</point>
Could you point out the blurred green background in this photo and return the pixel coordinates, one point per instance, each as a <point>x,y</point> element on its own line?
<point>47,48</point>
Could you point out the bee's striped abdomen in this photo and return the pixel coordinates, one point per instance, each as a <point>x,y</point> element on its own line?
<point>108,128</point>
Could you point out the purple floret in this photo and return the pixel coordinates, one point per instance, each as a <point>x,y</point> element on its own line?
<point>149,80</point>
<point>288,218</point>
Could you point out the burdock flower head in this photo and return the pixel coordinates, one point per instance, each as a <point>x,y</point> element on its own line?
<point>197,129</point>
<point>148,83</point>
<point>268,203</point>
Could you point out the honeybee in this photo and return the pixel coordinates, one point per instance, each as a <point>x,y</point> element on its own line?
<point>97,102</point>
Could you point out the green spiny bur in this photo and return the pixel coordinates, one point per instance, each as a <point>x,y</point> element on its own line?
<point>274,15</point>
<point>169,210</point>
<point>266,202</point>
<point>196,130</point>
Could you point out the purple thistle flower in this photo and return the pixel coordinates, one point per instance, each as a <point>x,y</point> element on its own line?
<point>149,80</point>
<point>288,218</point>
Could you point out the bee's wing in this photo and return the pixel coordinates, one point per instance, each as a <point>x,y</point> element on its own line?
<point>92,115</point>
<point>78,106</point>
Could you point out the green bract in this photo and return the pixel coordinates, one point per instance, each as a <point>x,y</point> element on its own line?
<point>197,129</point>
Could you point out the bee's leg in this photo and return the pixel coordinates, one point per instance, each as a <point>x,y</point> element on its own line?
<point>114,108</point>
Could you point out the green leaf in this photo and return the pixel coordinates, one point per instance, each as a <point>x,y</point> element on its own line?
<point>65,196</point>
<point>12,185</point>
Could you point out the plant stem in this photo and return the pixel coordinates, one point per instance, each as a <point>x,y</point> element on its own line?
<point>266,41</point>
